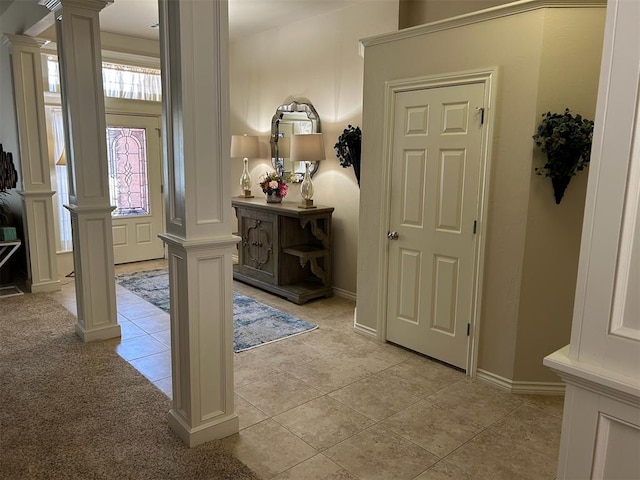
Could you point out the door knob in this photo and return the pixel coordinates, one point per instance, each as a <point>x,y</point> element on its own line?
<point>392,235</point>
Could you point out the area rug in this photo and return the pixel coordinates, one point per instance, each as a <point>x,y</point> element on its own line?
<point>254,323</point>
<point>75,410</point>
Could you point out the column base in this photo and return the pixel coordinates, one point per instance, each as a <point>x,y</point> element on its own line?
<point>102,333</point>
<point>214,430</point>
<point>43,287</point>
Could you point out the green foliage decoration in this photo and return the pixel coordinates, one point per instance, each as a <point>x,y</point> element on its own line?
<point>566,139</point>
<point>348,149</point>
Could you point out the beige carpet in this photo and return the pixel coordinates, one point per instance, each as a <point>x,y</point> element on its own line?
<point>70,410</point>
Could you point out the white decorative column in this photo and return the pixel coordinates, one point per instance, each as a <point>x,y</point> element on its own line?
<point>35,167</point>
<point>601,366</point>
<point>195,98</point>
<point>80,60</point>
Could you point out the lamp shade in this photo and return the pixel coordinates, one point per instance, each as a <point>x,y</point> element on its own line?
<point>307,148</point>
<point>244,146</point>
<point>62,160</point>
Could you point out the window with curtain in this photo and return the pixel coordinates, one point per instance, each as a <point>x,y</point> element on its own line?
<point>119,81</point>
<point>61,197</point>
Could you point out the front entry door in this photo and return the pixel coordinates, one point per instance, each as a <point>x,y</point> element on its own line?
<point>135,184</point>
<point>437,160</point>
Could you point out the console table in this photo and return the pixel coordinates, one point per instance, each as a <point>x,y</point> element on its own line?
<point>284,249</point>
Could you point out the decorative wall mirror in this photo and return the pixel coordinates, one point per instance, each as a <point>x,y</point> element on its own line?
<point>292,119</point>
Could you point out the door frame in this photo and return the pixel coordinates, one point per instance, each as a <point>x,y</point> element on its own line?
<point>489,78</point>
<point>143,108</point>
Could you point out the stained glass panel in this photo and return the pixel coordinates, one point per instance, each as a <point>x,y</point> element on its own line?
<point>128,180</point>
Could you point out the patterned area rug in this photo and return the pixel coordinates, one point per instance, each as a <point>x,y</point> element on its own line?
<point>254,323</point>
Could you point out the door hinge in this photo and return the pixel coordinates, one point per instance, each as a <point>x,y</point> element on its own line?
<point>159,130</point>
<point>468,329</point>
<point>481,111</point>
<point>475,226</point>
<point>161,188</point>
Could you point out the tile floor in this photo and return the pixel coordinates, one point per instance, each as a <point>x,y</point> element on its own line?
<point>332,404</point>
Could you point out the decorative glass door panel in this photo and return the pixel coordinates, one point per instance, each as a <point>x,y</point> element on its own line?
<point>128,179</point>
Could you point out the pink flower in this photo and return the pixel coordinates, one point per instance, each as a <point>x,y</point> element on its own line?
<point>273,184</point>
<point>282,190</point>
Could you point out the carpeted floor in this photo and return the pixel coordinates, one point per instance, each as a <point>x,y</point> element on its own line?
<point>254,323</point>
<point>74,410</point>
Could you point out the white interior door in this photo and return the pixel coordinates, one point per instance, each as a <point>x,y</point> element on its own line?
<point>135,183</point>
<point>437,160</point>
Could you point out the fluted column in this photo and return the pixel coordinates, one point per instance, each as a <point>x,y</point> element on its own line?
<point>80,60</point>
<point>194,46</point>
<point>35,166</point>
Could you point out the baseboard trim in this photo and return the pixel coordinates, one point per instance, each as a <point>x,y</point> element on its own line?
<point>339,292</point>
<point>364,330</point>
<point>516,387</point>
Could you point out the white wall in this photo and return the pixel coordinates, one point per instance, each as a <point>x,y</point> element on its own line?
<point>317,61</point>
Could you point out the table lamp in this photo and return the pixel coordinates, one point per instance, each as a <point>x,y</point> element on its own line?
<point>307,148</point>
<point>245,146</point>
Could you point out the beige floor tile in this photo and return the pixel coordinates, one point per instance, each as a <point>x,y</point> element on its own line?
<point>287,353</point>
<point>163,337</point>
<point>329,373</point>
<point>421,377</point>
<point>492,456</point>
<point>165,386</point>
<point>247,413</point>
<point>316,468</point>
<point>552,404</point>
<point>433,428</point>
<point>125,297</point>
<point>135,311</point>
<point>379,454</point>
<point>533,428</point>
<point>375,357</point>
<point>154,367</point>
<point>375,397</point>
<point>153,323</point>
<point>129,330</point>
<point>336,321</point>
<point>268,448</point>
<point>332,342</point>
<point>248,369</point>
<point>139,347</point>
<point>480,402</point>
<point>323,422</point>
<point>444,471</point>
<point>277,393</point>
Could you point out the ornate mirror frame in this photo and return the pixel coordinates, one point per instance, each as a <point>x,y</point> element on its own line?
<point>289,119</point>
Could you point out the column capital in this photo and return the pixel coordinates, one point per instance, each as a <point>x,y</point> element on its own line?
<point>24,41</point>
<point>57,5</point>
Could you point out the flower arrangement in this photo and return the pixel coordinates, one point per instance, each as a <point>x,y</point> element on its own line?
<point>348,149</point>
<point>274,184</point>
<point>566,139</point>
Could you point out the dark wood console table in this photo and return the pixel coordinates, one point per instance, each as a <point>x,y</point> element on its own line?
<point>284,249</point>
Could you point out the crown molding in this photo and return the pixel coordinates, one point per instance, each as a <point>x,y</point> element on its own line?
<point>23,41</point>
<point>55,5</point>
<point>499,11</point>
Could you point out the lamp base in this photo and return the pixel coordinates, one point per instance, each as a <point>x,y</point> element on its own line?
<point>246,194</point>
<point>307,203</point>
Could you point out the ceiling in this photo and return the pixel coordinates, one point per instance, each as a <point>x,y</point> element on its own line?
<point>135,17</point>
